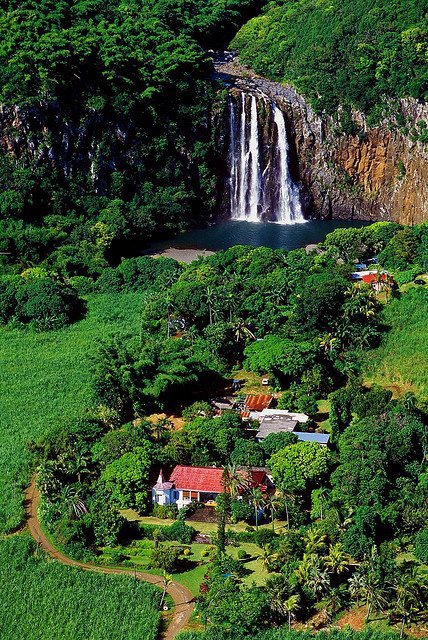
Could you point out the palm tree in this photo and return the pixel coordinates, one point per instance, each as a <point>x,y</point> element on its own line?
<point>323,496</point>
<point>169,309</point>
<point>267,557</point>
<point>373,593</point>
<point>411,590</point>
<point>319,580</point>
<point>229,297</point>
<point>290,607</point>
<point>287,496</point>
<point>210,298</point>
<point>166,581</point>
<point>314,541</point>
<point>73,501</point>
<point>310,573</point>
<point>161,428</point>
<point>356,585</point>
<point>235,480</point>
<point>273,502</point>
<point>335,599</point>
<point>242,331</point>
<point>257,500</point>
<point>337,561</point>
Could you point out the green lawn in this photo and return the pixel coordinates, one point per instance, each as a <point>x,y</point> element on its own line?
<point>201,527</point>
<point>139,556</point>
<point>45,380</point>
<point>401,361</point>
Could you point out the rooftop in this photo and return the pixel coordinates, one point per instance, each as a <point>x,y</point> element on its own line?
<point>275,424</point>
<point>319,438</point>
<point>257,403</point>
<point>208,479</point>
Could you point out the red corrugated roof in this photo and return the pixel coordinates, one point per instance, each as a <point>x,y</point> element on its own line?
<point>258,403</point>
<point>207,479</point>
<point>371,278</point>
<point>197,479</point>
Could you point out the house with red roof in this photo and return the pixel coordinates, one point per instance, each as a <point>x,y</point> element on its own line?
<point>377,281</point>
<point>200,484</point>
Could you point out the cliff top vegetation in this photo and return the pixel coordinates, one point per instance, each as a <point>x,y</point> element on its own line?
<point>350,52</point>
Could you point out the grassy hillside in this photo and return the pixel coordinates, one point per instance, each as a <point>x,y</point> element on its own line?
<point>352,52</point>
<point>44,381</point>
<point>401,361</point>
<point>46,600</point>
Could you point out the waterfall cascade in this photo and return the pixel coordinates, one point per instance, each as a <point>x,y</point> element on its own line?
<point>260,185</point>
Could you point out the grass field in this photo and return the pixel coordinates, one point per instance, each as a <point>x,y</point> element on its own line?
<point>401,361</point>
<point>44,600</point>
<point>45,380</point>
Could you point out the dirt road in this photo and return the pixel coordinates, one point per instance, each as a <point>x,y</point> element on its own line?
<point>183,599</point>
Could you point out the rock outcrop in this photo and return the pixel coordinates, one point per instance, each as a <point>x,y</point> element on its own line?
<point>375,174</point>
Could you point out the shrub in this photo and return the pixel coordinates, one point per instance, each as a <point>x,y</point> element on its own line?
<point>242,554</point>
<point>116,556</point>
<point>264,537</point>
<point>187,552</point>
<point>166,558</point>
<point>43,301</point>
<point>165,511</point>
<point>82,284</point>
<point>421,545</point>
<point>403,277</point>
<point>241,510</point>
<point>180,532</point>
<point>287,401</point>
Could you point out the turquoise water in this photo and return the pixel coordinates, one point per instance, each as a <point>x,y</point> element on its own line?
<point>230,233</point>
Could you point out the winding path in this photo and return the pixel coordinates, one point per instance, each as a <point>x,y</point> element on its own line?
<point>182,597</point>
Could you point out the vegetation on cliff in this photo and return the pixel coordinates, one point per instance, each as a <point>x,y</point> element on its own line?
<point>357,53</point>
<point>105,121</point>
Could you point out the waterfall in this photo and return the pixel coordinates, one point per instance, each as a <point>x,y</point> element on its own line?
<point>254,186</point>
<point>260,185</point>
<point>289,209</point>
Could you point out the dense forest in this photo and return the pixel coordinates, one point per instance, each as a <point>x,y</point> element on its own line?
<point>106,124</point>
<point>354,53</point>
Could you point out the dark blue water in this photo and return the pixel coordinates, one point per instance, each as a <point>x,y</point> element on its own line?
<point>263,234</point>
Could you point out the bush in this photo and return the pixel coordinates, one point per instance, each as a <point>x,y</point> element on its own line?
<point>403,277</point>
<point>263,537</point>
<point>116,556</point>
<point>82,284</point>
<point>421,545</point>
<point>180,532</point>
<point>287,401</point>
<point>242,554</point>
<point>166,558</point>
<point>165,511</point>
<point>177,532</point>
<point>241,510</point>
<point>42,301</point>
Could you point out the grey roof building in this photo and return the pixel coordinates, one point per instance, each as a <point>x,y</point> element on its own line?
<point>275,424</point>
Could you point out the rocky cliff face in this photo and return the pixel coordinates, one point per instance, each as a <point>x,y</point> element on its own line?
<point>68,142</point>
<point>377,174</point>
